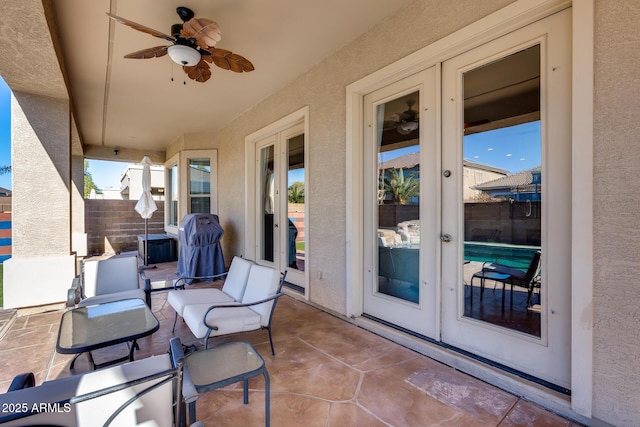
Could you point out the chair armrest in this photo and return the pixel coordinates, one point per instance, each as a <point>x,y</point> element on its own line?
<point>75,292</point>
<point>144,281</point>
<point>183,279</point>
<point>189,393</point>
<point>22,381</point>
<point>249,304</point>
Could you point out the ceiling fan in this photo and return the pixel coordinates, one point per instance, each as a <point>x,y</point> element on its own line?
<point>407,121</point>
<point>193,46</point>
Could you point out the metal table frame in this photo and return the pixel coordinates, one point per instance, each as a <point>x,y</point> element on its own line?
<point>226,364</point>
<point>89,328</point>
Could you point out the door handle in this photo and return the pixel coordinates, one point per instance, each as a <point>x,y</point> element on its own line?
<point>446,238</point>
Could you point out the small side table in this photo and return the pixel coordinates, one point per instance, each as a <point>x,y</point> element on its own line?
<point>491,275</point>
<point>226,364</point>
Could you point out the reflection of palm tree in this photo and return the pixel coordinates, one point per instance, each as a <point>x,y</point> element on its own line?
<point>296,192</point>
<point>402,187</point>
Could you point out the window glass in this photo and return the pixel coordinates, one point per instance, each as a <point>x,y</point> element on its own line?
<point>199,185</point>
<point>172,195</point>
<point>503,204</point>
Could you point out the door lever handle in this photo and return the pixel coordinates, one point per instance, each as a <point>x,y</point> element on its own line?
<point>446,238</point>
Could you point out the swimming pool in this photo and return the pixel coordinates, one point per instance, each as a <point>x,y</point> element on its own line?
<point>516,256</point>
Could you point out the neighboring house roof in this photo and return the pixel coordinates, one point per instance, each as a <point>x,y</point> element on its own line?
<point>407,161</point>
<point>412,160</point>
<point>516,180</point>
<point>475,165</point>
<point>4,192</point>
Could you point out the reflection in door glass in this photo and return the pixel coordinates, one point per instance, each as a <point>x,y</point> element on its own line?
<point>295,204</point>
<point>502,192</point>
<point>267,201</point>
<point>398,184</point>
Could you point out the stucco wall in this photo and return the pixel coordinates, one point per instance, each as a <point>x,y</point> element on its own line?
<point>323,89</point>
<point>41,140</point>
<point>616,219</point>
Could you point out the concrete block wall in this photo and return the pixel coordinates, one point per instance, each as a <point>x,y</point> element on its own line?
<point>5,235</point>
<point>297,216</point>
<point>113,226</point>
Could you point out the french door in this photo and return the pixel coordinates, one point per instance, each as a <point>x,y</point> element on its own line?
<point>280,202</point>
<point>400,175</point>
<point>478,256</point>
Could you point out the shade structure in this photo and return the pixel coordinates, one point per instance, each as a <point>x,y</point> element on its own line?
<point>146,206</point>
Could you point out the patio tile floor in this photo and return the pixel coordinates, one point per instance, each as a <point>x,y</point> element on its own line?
<point>326,372</point>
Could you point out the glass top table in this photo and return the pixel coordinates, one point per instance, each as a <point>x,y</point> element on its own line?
<point>97,326</point>
<point>226,364</point>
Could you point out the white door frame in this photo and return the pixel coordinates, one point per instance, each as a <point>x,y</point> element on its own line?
<point>545,357</point>
<point>511,17</point>
<point>300,116</point>
<point>424,316</point>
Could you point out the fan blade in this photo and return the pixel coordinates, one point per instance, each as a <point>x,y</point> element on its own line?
<point>141,27</point>
<point>199,72</point>
<point>230,61</point>
<point>152,52</point>
<point>206,32</point>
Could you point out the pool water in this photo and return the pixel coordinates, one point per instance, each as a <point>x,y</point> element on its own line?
<point>515,256</point>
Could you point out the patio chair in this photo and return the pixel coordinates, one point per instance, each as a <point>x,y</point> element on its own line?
<point>106,280</point>
<point>232,290</point>
<point>143,392</point>
<point>253,312</point>
<point>508,275</point>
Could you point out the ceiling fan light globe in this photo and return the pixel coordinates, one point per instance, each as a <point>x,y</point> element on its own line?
<point>407,127</point>
<point>183,55</point>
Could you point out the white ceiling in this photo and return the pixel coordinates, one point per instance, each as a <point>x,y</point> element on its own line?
<point>133,102</point>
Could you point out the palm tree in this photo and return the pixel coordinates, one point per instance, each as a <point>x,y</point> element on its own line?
<point>5,169</point>
<point>403,187</point>
<point>296,192</point>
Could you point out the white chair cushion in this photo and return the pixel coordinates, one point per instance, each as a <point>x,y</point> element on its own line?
<point>154,408</point>
<point>179,299</point>
<point>110,275</point>
<point>236,280</point>
<point>117,296</point>
<point>262,283</point>
<point>228,320</point>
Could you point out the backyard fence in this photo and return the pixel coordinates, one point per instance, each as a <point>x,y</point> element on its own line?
<point>113,226</point>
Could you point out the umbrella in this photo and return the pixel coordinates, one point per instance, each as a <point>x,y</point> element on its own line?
<point>146,206</point>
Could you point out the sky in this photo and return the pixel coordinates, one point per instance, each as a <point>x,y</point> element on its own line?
<point>107,174</point>
<point>5,132</point>
<point>514,149</point>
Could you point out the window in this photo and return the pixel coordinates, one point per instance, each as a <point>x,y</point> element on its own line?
<point>172,195</point>
<point>199,185</point>
<point>190,186</point>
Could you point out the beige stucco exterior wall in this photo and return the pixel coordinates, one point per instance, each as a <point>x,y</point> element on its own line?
<point>78,235</point>
<point>42,193</point>
<point>616,220</point>
<point>323,89</point>
<point>40,139</point>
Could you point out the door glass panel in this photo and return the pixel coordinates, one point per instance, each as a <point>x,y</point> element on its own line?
<point>267,201</point>
<point>295,205</point>
<point>502,192</point>
<point>398,187</point>
<point>172,195</point>
<point>199,185</point>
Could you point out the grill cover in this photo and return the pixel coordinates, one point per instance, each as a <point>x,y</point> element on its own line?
<point>200,251</point>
